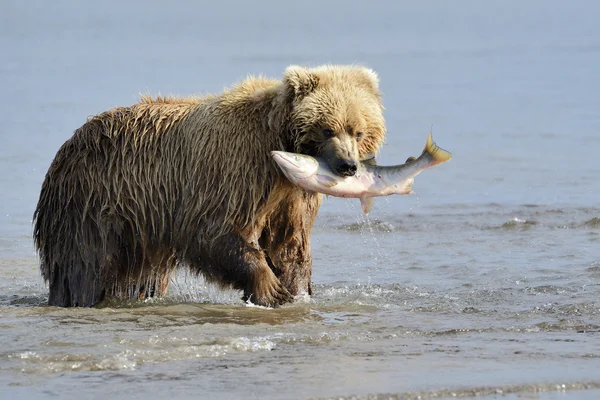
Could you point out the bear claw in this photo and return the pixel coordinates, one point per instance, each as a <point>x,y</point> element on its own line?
<point>269,294</point>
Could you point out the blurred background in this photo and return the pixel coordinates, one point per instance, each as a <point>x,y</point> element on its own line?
<point>502,83</point>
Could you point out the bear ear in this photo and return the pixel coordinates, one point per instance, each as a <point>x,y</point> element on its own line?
<point>370,78</point>
<point>299,80</point>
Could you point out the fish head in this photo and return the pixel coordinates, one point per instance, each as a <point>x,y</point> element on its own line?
<point>295,166</point>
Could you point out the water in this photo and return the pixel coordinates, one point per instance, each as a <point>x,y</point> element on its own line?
<point>484,282</point>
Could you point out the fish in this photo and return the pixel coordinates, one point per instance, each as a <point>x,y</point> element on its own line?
<point>313,174</point>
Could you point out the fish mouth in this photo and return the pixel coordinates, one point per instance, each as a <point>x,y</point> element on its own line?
<point>283,159</point>
<point>294,167</point>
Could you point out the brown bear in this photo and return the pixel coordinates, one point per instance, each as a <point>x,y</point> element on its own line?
<point>139,191</point>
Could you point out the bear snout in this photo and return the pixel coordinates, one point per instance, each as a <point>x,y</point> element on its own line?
<point>346,168</point>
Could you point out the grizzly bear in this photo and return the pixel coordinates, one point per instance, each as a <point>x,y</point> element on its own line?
<point>138,191</point>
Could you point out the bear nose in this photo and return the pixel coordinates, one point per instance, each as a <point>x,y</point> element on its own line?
<point>346,168</point>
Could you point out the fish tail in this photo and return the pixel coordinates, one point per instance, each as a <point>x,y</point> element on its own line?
<point>437,154</point>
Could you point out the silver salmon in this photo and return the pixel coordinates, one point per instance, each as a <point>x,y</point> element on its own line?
<point>369,181</point>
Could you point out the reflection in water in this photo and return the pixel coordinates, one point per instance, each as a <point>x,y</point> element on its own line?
<point>487,301</point>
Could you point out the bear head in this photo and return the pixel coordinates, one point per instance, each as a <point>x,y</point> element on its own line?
<point>335,113</point>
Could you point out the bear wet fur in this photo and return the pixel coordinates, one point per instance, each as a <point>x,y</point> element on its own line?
<point>138,191</point>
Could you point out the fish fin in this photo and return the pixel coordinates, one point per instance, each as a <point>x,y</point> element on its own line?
<point>369,159</point>
<point>438,154</point>
<point>367,204</point>
<point>406,188</point>
<point>327,181</point>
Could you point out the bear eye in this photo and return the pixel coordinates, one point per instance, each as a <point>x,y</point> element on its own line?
<point>328,132</point>
<point>359,135</point>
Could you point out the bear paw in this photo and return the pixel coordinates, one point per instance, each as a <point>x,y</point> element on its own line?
<point>269,293</point>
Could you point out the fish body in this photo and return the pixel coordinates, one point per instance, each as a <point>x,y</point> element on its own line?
<point>314,175</point>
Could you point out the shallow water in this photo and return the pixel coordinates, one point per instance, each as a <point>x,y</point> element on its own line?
<point>485,282</point>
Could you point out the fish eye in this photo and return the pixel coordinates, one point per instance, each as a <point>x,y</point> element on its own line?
<point>328,133</point>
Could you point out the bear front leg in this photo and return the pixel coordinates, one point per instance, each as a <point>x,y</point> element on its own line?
<point>292,263</point>
<point>287,240</point>
<point>232,261</point>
